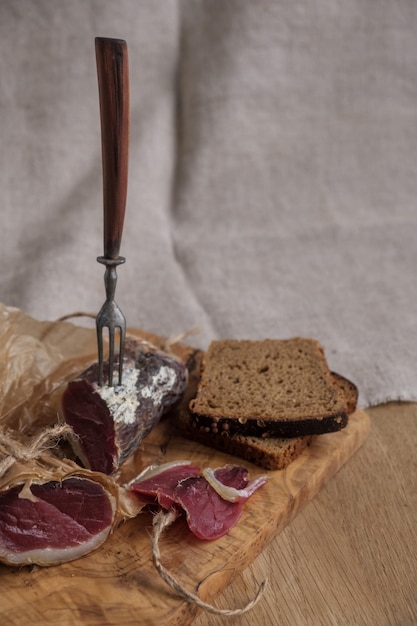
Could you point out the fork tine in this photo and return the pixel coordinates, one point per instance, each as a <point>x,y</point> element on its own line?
<point>111,355</point>
<point>112,334</point>
<point>99,330</point>
<point>121,351</point>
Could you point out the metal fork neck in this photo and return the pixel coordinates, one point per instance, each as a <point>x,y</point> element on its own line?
<point>110,275</point>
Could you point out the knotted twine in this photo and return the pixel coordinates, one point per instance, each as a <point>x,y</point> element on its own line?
<point>13,451</point>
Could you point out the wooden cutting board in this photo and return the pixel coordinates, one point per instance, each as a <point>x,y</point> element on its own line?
<point>118,584</point>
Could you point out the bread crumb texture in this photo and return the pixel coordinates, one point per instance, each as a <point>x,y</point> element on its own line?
<point>269,379</point>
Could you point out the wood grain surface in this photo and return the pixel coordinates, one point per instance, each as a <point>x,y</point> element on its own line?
<point>118,583</point>
<point>349,557</point>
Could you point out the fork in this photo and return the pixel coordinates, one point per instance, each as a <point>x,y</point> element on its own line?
<point>113,86</point>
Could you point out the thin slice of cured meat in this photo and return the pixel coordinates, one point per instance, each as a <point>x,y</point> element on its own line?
<point>159,483</point>
<point>209,516</point>
<point>54,522</point>
<point>110,422</point>
<point>211,512</point>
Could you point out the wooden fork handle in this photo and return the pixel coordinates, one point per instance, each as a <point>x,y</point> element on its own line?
<point>113,85</point>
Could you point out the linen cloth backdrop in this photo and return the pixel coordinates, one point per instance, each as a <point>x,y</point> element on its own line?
<point>272,178</point>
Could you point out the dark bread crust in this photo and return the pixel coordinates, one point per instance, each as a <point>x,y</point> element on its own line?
<point>268,388</point>
<point>265,429</point>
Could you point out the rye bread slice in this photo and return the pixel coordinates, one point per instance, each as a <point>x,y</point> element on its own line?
<point>269,453</point>
<point>268,388</point>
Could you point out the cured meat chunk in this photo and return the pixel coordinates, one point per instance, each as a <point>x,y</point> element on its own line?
<point>110,422</point>
<point>54,522</point>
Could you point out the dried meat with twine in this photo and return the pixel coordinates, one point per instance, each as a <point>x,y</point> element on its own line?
<point>180,485</point>
<point>51,510</point>
<point>211,511</point>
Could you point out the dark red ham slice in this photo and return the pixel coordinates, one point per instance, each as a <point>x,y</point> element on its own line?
<point>159,483</point>
<point>54,522</point>
<point>110,422</point>
<point>209,517</point>
<point>211,512</point>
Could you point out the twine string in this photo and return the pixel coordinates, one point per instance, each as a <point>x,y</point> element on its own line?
<point>12,450</point>
<point>161,521</point>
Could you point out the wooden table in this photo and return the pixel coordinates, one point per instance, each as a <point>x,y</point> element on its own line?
<point>349,558</point>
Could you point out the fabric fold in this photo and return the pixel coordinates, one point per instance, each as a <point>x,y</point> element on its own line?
<point>271,181</point>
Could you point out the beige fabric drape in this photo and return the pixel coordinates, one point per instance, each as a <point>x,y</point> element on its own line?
<point>272,183</point>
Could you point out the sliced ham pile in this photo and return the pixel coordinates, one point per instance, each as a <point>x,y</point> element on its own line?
<point>212,500</point>
<point>54,522</point>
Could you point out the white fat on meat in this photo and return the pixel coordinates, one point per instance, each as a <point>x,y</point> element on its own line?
<point>232,494</point>
<point>155,470</point>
